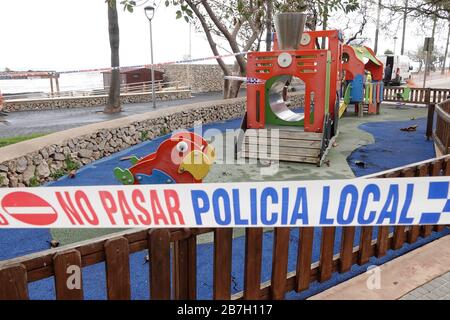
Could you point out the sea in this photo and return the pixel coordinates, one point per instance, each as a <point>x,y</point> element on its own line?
<point>67,82</point>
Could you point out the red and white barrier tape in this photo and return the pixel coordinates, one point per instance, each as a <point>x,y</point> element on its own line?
<point>21,74</point>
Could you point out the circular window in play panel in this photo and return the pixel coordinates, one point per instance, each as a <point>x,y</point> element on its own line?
<point>285,96</point>
<point>345,57</point>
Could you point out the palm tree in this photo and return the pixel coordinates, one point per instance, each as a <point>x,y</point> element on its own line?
<point>113,105</point>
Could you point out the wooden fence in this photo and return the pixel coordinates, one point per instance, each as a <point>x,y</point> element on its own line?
<point>138,87</point>
<point>181,282</point>
<point>418,95</point>
<point>441,135</point>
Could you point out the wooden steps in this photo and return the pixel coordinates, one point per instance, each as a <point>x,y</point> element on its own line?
<point>283,144</point>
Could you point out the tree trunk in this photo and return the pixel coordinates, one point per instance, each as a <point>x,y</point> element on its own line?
<point>377,29</point>
<point>113,105</point>
<point>269,25</point>
<point>325,22</point>
<point>231,87</point>
<point>429,54</point>
<point>233,91</point>
<point>446,49</point>
<point>405,15</point>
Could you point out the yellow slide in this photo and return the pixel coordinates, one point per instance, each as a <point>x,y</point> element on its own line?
<point>342,107</point>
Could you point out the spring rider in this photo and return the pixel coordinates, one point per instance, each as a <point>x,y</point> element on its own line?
<point>185,157</point>
<point>363,84</point>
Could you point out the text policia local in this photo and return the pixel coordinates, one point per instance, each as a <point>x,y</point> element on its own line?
<point>244,205</point>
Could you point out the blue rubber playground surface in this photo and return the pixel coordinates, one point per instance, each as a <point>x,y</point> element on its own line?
<point>408,147</point>
<point>392,148</point>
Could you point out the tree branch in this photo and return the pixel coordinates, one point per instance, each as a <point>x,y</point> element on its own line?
<point>209,37</point>
<point>233,44</point>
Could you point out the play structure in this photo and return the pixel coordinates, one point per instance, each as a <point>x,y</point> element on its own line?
<point>363,80</point>
<point>296,64</point>
<point>183,158</point>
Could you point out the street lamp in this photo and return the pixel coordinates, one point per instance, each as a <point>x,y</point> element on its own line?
<point>395,44</point>
<point>149,13</point>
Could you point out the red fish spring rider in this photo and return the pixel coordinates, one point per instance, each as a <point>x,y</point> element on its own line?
<point>185,157</point>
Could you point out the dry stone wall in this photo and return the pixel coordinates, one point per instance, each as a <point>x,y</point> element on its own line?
<point>90,101</point>
<point>200,77</point>
<point>49,161</point>
<point>36,161</point>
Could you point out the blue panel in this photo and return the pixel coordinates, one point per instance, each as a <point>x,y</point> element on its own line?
<point>374,92</point>
<point>357,94</point>
<point>157,177</point>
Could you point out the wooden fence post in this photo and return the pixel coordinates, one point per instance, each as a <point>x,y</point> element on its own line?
<point>117,258</point>
<point>159,249</point>
<point>279,262</point>
<point>304,257</point>
<point>185,268</point>
<point>13,283</point>
<point>223,241</point>
<point>430,120</point>
<point>253,263</point>
<point>68,275</point>
<point>326,253</point>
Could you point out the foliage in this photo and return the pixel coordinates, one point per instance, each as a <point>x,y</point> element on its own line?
<point>241,24</point>
<point>11,140</point>
<point>71,165</point>
<point>55,175</point>
<point>34,182</point>
<point>144,135</point>
<point>420,54</point>
<point>128,5</point>
<point>388,51</point>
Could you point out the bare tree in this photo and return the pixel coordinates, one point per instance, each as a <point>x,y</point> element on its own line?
<point>446,49</point>
<point>269,8</point>
<point>241,23</point>
<point>113,105</point>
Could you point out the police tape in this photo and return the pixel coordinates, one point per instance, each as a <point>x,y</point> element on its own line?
<point>354,202</point>
<point>23,74</point>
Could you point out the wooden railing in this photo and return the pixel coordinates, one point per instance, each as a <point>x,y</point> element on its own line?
<point>441,135</point>
<point>140,87</point>
<point>176,250</point>
<point>417,95</point>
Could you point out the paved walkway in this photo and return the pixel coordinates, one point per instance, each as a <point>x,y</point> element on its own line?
<point>422,273</point>
<point>436,289</point>
<point>46,121</point>
<point>434,80</point>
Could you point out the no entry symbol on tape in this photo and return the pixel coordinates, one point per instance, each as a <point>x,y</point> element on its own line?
<point>29,208</point>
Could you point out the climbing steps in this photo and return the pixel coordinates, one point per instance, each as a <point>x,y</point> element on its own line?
<point>284,144</point>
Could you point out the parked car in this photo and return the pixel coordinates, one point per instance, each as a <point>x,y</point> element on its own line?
<point>397,69</point>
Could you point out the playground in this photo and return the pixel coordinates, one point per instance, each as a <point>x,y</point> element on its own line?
<point>342,129</point>
<point>361,140</point>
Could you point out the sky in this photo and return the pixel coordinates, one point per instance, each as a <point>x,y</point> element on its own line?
<point>73,34</point>
<point>64,34</point>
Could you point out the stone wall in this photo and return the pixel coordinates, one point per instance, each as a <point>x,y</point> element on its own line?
<point>200,77</point>
<point>100,100</point>
<point>36,161</point>
<point>43,159</point>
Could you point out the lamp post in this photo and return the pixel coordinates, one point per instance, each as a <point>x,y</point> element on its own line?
<point>395,44</point>
<point>149,13</point>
